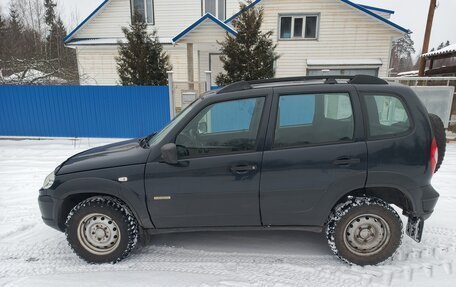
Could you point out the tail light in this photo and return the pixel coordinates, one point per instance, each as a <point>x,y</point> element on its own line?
<point>434,155</point>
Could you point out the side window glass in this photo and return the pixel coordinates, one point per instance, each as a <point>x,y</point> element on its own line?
<point>313,119</point>
<point>337,107</point>
<point>387,115</point>
<point>296,110</point>
<point>222,128</point>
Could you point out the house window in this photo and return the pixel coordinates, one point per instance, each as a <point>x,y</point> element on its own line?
<point>298,27</point>
<point>346,71</point>
<point>214,7</point>
<point>144,9</point>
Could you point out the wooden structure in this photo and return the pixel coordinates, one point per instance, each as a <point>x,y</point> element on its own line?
<point>449,53</point>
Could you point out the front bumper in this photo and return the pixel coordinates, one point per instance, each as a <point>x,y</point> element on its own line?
<point>50,210</point>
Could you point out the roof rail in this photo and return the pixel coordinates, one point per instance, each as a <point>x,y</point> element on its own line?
<point>355,80</point>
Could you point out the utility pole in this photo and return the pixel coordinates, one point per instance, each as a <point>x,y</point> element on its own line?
<point>427,36</point>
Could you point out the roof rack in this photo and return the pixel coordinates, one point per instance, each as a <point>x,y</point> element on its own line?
<point>354,80</point>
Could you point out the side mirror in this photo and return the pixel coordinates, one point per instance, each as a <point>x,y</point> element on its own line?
<point>169,153</point>
<point>202,128</point>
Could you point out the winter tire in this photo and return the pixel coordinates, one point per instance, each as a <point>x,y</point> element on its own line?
<point>440,137</point>
<point>364,231</point>
<point>101,230</point>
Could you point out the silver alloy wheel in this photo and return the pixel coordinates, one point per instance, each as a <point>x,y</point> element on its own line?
<point>367,234</point>
<point>98,234</point>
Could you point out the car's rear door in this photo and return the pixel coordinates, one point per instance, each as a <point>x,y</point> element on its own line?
<point>315,153</point>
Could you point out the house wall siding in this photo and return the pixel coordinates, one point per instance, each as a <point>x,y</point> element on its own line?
<point>171,17</point>
<point>97,64</point>
<point>108,22</point>
<point>344,33</point>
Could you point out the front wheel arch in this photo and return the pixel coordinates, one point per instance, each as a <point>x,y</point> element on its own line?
<point>73,200</point>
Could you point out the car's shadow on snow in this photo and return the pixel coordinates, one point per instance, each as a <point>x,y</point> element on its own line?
<point>268,242</point>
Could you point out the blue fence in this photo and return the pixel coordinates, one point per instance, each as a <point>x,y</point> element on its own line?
<point>83,111</point>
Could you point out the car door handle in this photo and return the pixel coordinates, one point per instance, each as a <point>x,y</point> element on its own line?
<point>243,169</point>
<point>346,161</point>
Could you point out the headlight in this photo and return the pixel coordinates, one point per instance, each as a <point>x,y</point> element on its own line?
<point>49,181</point>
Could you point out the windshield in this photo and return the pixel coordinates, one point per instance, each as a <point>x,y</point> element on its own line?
<point>159,136</point>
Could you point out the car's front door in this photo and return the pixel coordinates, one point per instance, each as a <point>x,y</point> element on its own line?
<point>316,153</point>
<point>216,182</point>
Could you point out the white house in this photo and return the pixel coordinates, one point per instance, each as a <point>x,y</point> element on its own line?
<point>313,37</point>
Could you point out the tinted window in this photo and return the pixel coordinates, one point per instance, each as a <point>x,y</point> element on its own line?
<point>311,27</point>
<point>387,115</point>
<point>222,128</point>
<point>144,9</point>
<point>313,119</point>
<point>285,27</point>
<point>297,28</point>
<point>214,7</point>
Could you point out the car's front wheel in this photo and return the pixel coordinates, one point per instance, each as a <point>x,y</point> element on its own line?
<point>101,229</point>
<point>364,231</point>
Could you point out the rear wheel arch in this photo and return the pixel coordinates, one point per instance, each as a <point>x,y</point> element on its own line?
<point>390,195</point>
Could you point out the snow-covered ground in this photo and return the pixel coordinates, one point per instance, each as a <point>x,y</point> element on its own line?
<point>32,254</point>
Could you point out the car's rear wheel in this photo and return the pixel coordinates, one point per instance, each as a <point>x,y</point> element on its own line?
<point>364,231</point>
<point>101,229</point>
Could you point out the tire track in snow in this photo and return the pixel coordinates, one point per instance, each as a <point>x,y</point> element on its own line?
<point>55,257</point>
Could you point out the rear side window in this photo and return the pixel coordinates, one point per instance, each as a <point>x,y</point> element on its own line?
<point>387,115</point>
<point>306,119</point>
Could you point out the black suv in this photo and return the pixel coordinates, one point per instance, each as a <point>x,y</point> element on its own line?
<point>308,153</point>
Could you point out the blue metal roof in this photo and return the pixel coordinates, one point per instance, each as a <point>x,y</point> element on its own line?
<point>85,21</point>
<point>367,11</point>
<point>201,20</point>
<point>364,8</point>
<point>377,9</point>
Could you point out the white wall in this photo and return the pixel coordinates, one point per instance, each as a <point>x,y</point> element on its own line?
<point>97,65</point>
<point>171,17</point>
<point>345,33</point>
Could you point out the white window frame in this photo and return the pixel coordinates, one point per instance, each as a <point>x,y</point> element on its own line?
<point>132,7</point>
<point>303,17</point>
<point>203,9</point>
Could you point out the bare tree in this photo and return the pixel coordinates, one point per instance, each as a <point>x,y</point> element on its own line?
<point>38,72</point>
<point>32,14</point>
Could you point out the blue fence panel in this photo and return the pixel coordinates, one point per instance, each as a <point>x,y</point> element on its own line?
<point>83,111</point>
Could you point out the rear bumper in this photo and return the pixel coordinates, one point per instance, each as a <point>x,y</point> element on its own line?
<point>424,207</point>
<point>427,202</point>
<point>50,208</point>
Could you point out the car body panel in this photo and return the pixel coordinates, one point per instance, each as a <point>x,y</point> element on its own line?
<point>298,181</point>
<point>203,191</point>
<point>292,188</point>
<point>117,154</point>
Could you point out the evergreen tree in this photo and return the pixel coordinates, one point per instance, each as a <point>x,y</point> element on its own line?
<point>56,46</point>
<point>251,54</point>
<point>14,34</point>
<point>15,25</point>
<point>441,45</point>
<point>447,43</point>
<point>49,16</point>
<point>401,56</point>
<point>142,61</point>
<point>3,31</point>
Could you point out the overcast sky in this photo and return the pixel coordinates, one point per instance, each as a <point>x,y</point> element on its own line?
<point>410,14</point>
